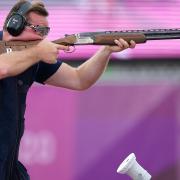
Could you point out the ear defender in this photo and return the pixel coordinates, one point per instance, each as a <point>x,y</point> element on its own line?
<point>17,21</point>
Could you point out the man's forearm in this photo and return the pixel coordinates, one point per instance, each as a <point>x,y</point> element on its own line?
<point>16,62</point>
<point>91,70</point>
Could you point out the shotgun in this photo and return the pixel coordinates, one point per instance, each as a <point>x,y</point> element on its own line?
<point>98,38</point>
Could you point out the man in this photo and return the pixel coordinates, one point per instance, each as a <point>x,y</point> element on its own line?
<point>18,71</point>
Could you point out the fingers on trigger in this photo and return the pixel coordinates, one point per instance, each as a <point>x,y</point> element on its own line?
<point>62,47</point>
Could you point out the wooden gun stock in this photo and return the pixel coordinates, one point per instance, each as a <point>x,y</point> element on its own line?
<point>98,38</point>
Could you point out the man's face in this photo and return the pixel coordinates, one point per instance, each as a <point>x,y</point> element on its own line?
<point>29,33</point>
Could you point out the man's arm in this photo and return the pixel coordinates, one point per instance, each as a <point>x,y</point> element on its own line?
<point>14,63</point>
<point>87,73</point>
<point>17,62</point>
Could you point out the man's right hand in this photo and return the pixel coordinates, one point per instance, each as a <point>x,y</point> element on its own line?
<point>48,51</point>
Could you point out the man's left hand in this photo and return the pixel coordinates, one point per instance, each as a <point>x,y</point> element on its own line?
<point>121,45</point>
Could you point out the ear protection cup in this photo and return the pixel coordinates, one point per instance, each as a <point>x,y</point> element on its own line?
<point>17,21</point>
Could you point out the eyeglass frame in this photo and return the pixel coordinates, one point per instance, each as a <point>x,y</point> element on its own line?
<point>36,27</point>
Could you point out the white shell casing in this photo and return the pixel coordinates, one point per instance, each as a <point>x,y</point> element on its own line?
<point>131,167</point>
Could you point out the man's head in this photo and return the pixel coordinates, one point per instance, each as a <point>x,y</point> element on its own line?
<point>35,16</point>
